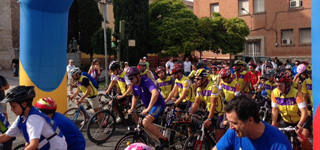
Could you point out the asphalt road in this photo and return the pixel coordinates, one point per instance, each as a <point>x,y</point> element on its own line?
<point>109,145</point>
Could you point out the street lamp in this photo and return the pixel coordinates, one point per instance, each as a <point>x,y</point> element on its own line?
<point>105,37</point>
<point>243,9</point>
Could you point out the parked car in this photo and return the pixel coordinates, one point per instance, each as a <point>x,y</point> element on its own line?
<point>247,58</point>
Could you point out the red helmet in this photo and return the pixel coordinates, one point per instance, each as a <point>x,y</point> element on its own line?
<point>225,73</point>
<point>46,104</point>
<point>160,68</point>
<point>282,77</point>
<point>252,64</point>
<point>176,68</point>
<point>213,66</point>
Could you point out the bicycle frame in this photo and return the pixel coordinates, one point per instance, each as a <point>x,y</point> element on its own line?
<point>80,107</point>
<point>291,134</point>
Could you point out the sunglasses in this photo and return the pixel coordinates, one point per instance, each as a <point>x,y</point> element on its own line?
<point>131,78</point>
<point>224,78</point>
<point>197,79</point>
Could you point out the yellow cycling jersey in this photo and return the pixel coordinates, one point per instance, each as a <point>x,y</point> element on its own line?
<point>240,80</point>
<point>307,89</point>
<point>288,104</point>
<point>192,74</point>
<point>214,78</point>
<point>269,87</point>
<point>165,86</point>
<point>122,83</point>
<point>295,85</point>
<point>230,89</point>
<point>207,93</point>
<point>93,92</point>
<point>185,84</point>
<point>144,73</point>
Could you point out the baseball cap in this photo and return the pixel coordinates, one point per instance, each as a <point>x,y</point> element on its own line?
<point>144,57</point>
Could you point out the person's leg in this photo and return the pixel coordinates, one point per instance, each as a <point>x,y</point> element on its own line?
<point>148,121</point>
<point>94,102</point>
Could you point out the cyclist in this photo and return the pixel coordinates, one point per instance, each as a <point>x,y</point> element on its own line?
<point>307,86</point>
<point>124,84</point>
<point>74,137</point>
<point>4,125</point>
<point>229,86</point>
<point>154,103</point>
<point>288,68</point>
<point>184,87</point>
<point>214,76</point>
<point>252,77</point>
<point>289,102</point>
<point>88,86</point>
<point>209,93</point>
<point>261,87</point>
<point>164,83</point>
<point>39,130</point>
<point>270,85</point>
<point>247,131</point>
<point>146,72</point>
<point>239,76</point>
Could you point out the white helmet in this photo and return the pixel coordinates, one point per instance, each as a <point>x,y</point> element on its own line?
<point>75,71</point>
<point>288,67</point>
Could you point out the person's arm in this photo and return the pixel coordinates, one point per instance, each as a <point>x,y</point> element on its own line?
<point>90,69</point>
<point>275,110</point>
<point>299,87</point>
<point>195,105</point>
<point>111,85</point>
<point>172,93</point>
<point>213,106</point>
<point>88,90</point>
<point>237,91</point>
<point>129,90</point>
<point>245,84</point>
<point>134,102</point>
<point>153,100</point>
<point>186,86</point>
<point>76,93</point>
<point>4,138</point>
<point>34,143</point>
<point>98,68</point>
<point>296,78</point>
<point>149,75</point>
<point>261,88</point>
<point>303,109</point>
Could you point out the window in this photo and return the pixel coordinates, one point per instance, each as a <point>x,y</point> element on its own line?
<point>305,36</point>
<point>287,37</point>
<point>243,7</point>
<point>259,6</point>
<point>214,8</point>
<point>253,48</point>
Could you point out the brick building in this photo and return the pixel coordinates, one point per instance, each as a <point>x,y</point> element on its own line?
<point>279,28</point>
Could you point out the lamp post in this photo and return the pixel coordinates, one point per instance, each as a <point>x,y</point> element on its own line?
<point>249,14</point>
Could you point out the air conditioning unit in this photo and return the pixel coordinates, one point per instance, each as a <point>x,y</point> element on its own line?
<point>286,41</point>
<point>295,3</point>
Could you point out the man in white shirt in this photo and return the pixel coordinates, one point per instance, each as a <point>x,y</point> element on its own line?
<point>187,67</point>
<point>169,65</point>
<point>70,79</point>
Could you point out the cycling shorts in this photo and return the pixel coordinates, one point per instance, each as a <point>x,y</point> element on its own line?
<point>185,106</point>
<point>155,112</point>
<point>220,125</point>
<point>307,125</point>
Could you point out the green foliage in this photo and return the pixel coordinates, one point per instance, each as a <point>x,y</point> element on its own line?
<point>73,24</point>
<point>135,12</point>
<point>97,42</point>
<point>89,22</point>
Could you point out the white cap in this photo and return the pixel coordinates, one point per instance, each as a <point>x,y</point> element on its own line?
<point>144,57</point>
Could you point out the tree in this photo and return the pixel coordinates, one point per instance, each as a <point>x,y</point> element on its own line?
<point>97,42</point>
<point>135,12</point>
<point>89,22</point>
<point>172,27</point>
<point>73,24</point>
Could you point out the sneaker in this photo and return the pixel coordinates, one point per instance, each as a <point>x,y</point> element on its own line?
<point>164,144</point>
<point>119,120</point>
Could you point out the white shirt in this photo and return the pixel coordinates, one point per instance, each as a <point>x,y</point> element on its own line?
<point>187,66</point>
<point>37,126</point>
<point>169,65</point>
<point>126,79</point>
<point>69,68</point>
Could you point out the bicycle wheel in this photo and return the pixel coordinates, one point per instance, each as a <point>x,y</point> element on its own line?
<point>129,139</point>
<point>179,137</point>
<point>19,147</point>
<point>193,143</point>
<point>77,116</point>
<point>100,129</point>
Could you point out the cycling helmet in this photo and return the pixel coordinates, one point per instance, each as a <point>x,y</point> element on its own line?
<point>46,104</point>
<point>219,66</point>
<point>264,77</point>
<point>138,146</point>
<point>252,64</point>
<point>301,68</point>
<point>271,72</point>
<point>176,68</point>
<point>309,68</point>
<point>288,67</point>
<point>133,71</point>
<point>142,64</point>
<point>114,65</point>
<point>160,68</point>
<point>238,62</point>
<point>20,94</point>
<point>201,73</point>
<point>306,63</point>
<point>225,73</point>
<point>75,71</point>
<point>282,77</point>
<point>200,65</point>
<point>213,66</point>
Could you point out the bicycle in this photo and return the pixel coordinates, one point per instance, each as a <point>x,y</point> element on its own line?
<point>140,134</point>
<point>290,132</point>
<point>99,130</point>
<point>197,139</point>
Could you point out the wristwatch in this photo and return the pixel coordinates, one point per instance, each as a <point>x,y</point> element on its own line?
<point>209,119</point>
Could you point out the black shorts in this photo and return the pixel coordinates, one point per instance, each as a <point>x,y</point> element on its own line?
<point>185,106</point>
<point>307,125</point>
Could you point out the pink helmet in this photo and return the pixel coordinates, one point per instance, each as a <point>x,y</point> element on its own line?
<point>138,146</point>
<point>301,68</point>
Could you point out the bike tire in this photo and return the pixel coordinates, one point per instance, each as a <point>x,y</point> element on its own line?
<point>98,130</point>
<point>78,119</point>
<point>193,143</point>
<point>181,135</point>
<point>121,144</point>
<point>19,147</point>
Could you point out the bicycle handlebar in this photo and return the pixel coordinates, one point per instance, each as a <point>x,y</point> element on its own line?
<point>290,128</point>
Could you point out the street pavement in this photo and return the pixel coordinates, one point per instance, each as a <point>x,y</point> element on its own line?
<point>109,145</point>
